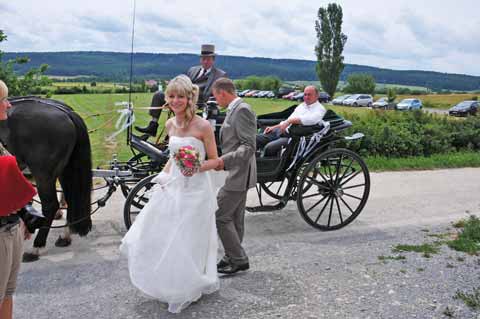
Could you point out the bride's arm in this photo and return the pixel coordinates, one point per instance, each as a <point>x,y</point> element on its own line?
<point>210,148</point>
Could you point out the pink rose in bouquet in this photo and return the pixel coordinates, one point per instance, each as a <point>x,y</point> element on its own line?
<point>188,160</point>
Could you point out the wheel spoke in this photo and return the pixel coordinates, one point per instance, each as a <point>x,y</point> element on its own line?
<point>323,177</point>
<point>330,214</point>
<point>339,210</point>
<point>348,168</point>
<point>316,204</point>
<point>317,183</point>
<point>336,180</point>
<point>350,178</point>
<point>323,209</point>
<point>352,196</point>
<point>354,186</point>
<point>329,169</point>
<point>345,203</point>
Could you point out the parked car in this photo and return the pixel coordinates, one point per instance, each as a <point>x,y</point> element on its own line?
<point>284,90</point>
<point>359,100</point>
<point>297,97</point>
<point>324,97</point>
<point>258,94</point>
<point>251,93</point>
<point>242,93</point>
<point>380,103</point>
<point>270,95</point>
<point>289,95</point>
<point>339,99</point>
<point>464,108</point>
<point>409,104</point>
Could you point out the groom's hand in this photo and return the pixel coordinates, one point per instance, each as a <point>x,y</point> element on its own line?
<point>220,164</point>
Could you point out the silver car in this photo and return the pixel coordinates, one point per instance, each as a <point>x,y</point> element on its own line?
<point>409,104</point>
<point>380,103</point>
<point>359,100</point>
<point>339,100</point>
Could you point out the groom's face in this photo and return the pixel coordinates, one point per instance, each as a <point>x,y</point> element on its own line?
<point>221,98</point>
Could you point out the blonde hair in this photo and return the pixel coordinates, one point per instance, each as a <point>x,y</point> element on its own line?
<point>3,90</point>
<point>182,85</point>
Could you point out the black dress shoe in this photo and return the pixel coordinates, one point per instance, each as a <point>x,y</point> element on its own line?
<point>151,129</point>
<point>231,269</point>
<point>222,263</point>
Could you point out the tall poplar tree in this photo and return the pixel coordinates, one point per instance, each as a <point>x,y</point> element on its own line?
<point>329,48</point>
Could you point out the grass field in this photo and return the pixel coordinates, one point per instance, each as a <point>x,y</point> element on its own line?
<point>100,113</point>
<point>98,87</point>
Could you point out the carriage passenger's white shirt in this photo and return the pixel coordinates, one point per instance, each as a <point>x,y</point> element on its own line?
<point>309,114</point>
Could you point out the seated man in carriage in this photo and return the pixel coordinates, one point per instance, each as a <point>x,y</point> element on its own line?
<point>310,112</point>
<point>203,75</point>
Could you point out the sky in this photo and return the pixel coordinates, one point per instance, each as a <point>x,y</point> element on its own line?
<point>434,35</point>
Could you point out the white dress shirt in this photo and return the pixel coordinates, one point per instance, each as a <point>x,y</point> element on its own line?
<point>309,114</point>
<point>230,106</point>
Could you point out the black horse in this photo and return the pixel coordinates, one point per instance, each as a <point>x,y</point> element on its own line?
<point>49,138</point>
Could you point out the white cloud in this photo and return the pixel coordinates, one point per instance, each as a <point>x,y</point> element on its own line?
<point>404,34</point>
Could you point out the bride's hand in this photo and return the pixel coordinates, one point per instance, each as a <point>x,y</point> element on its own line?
<point>189,172</point>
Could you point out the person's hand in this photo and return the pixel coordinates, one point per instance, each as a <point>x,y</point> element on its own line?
<point>284,125</point>
<point>269,129</point>
<point>26,233</point>
<point>220,165</point>
<point>188,172</point>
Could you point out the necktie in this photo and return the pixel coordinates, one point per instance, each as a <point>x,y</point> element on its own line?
<point>202,73</point>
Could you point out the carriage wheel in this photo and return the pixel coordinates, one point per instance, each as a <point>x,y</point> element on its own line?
<point>340,185</point>
<point>136,200</point>
<point>277,189</point>
<point>141,166</point>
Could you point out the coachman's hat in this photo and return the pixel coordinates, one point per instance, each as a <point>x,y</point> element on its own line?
<point>207,50</point>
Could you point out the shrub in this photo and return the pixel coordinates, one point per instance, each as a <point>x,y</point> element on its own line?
<point>404,134</point>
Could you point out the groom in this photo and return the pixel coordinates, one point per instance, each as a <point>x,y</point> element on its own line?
<point>237,138</point>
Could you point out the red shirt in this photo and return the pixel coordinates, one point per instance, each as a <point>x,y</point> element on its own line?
<point>15,190</point>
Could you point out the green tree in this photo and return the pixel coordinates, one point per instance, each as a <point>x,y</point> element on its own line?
<point>329,48</point>
<point>391,95</point>
<point>360,83</point>
<point>29,82</point>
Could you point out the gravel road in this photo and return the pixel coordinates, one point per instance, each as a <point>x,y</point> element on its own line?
<point>297,272</point>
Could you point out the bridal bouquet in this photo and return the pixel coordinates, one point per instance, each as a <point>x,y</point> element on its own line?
<point>188,160</point>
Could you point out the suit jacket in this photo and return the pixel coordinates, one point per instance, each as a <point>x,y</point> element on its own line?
<point>214,74</point>
<point>237,140</point>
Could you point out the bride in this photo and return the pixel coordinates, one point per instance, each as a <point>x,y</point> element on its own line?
<point>172,246</point>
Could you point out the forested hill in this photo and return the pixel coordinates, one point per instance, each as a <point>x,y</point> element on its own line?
<point>116,66</point>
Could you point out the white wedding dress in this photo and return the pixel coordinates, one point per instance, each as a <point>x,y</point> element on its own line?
<point>172,245</point>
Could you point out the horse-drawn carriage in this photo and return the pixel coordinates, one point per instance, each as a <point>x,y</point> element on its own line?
<point>330,185</point>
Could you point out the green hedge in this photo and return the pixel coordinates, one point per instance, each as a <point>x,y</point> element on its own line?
<point>404,134</point>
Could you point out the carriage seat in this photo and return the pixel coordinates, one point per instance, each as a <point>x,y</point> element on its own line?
<point>337,124</point>
<point>149,149</point>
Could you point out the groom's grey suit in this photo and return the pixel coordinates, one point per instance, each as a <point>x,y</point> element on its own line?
<point>237,138</point>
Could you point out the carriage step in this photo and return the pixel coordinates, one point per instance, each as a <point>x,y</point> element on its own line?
<point>265,208</point>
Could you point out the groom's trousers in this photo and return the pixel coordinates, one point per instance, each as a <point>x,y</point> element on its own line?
<point>230,218</point>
